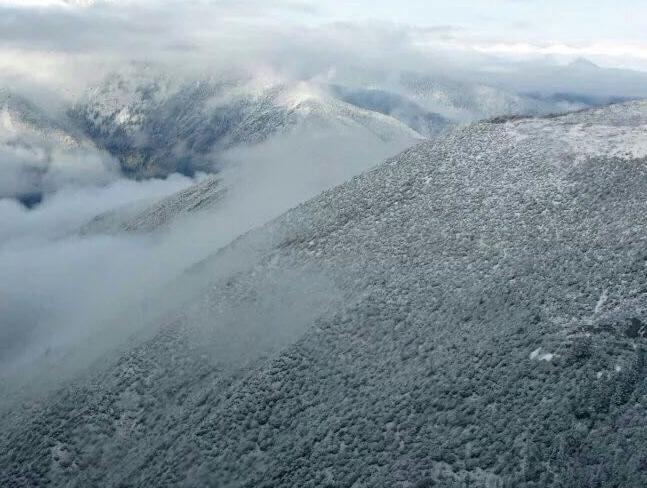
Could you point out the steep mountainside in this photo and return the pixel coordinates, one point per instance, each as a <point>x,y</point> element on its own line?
<point>144,121</point>
<point>467,101</point>
<point>470,313</point>
<point>156,124</point>
<point>425,122</point>
<point>147,216</point>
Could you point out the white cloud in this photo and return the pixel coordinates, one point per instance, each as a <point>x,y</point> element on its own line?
<point>587,50</point>
<point>56,284</point>
<point>133,27</point>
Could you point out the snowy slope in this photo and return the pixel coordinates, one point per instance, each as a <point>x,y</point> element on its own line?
<point>275,163</point>
<point>470,313</point>
<point>469,101</point>
<point>145,121</point>
<point>157,124</point>
<point>427,123</point>
<point>150,216</point>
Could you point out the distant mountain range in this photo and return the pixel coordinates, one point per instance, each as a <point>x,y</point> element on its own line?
<point>159,125</point>
<point>144,122</point>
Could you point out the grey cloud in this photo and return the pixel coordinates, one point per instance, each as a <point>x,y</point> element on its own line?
<point>252,34</point>
<point>56,284</point>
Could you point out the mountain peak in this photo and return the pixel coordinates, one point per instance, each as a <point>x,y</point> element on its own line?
<point>583,63</point>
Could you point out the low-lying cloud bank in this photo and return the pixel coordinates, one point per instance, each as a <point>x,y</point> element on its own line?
<point>57,284</point>
<point>60,287</point>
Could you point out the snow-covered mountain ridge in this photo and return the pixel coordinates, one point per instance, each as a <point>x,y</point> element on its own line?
<point>146,121</point>
<point>470,313</point>
<point>157,124</point>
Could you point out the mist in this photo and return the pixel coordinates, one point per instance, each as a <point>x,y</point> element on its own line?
<point>53,279</point>
<point>63,289</point>
<point>60,286</point>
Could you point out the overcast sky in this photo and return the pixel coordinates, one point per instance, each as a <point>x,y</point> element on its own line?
<point>609,32</point>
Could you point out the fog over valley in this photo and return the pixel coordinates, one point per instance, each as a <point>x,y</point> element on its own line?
<point>301,243</point>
